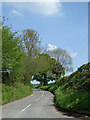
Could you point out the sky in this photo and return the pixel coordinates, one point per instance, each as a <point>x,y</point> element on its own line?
<point>60,25</point>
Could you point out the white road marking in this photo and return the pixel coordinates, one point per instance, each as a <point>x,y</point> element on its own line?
<point>37,99</point>
<point>26,107</point>
<point>42,95</point>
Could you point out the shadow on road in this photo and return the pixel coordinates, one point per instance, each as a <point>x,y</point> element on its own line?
<point>37,90</point>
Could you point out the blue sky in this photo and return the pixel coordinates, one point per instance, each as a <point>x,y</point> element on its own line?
<point>60,25</point>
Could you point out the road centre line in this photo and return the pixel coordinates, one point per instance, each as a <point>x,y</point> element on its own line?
<point>26,107</point>
<point>37,99</point>
<point>30,104</point>
<point>42,95</point>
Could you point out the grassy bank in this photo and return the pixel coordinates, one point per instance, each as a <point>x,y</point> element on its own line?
<point>73,92</point>
<point>15,92</point>
<point>76,101</point>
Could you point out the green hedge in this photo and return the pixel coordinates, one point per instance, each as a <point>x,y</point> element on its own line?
<point>73,92</point>
<point>14,92</point>
<point>75,101</point>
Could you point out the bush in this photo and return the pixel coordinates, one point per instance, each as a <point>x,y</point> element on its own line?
<point>17,91</point>
<point>73,92</point>
<point>45,87</point>
<point>53,88</point>
<point>76,101</point>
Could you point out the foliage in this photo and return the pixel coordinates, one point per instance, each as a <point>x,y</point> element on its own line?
<point>43,67</point>
<point>57,68</point>
<point>75,101</point>
<point>49,69</point>
<point>73,92</point>
<point>18,64</point>
<point>17,91</point>
<point>63,57</point>
<point>45,87</point>
<point>18,55</point>
<point>22,59</point>
<point>31,41</point>
<point>11,56</point>
<point>78,80</point>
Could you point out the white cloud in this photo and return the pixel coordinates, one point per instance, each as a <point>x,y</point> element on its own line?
<point>44,8</point>
<point>51,47</point>
<point>16,13</point>
<point>47,9</point>
<point>72,54</point>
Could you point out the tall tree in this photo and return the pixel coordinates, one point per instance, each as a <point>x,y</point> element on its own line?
<point>11,56</point>
<point>63,57</point>
<point>49,69</point>
<point>57,68</point>
<point>43,66</point>
<point>31,42</point>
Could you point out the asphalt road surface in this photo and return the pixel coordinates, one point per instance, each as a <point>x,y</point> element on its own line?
<point>38,105</point>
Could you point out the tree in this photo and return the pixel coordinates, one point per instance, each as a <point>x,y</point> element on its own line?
<point>32,42</point>
<point>12,69</point>
<point>57,68</point>
<point>0,49</point>
<point>43,66</point>
<point>63,57</point>
<point>39,77</point>
<point>49,69</point>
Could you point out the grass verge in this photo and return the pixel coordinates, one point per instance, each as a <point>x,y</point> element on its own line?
<point>76,101</point>
<point>15,92</point>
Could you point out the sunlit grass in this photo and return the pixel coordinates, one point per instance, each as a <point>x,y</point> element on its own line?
<point>76,101</point>
<point>19,90</point>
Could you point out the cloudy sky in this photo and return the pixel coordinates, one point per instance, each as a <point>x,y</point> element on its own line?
<point>60,25</point>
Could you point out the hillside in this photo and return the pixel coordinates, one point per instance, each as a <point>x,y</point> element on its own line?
<point>73,92</point>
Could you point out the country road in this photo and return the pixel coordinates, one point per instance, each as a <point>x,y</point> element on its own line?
<point>38,105</point>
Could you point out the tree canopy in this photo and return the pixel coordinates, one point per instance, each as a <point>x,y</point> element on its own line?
<point>49,69</point>
<point>22,58</point>
<point>63,57</point>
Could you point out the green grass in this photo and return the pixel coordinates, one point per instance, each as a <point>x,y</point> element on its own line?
<point>73,92</point>
<point>76,101</point>
<point>52,88</point>
<point>45,87</point>
<point>17,91</point>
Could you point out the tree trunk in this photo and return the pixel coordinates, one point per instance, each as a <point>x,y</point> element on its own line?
<point>45,79</point>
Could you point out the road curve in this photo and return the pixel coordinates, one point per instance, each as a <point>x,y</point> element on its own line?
<point>38,105</point>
